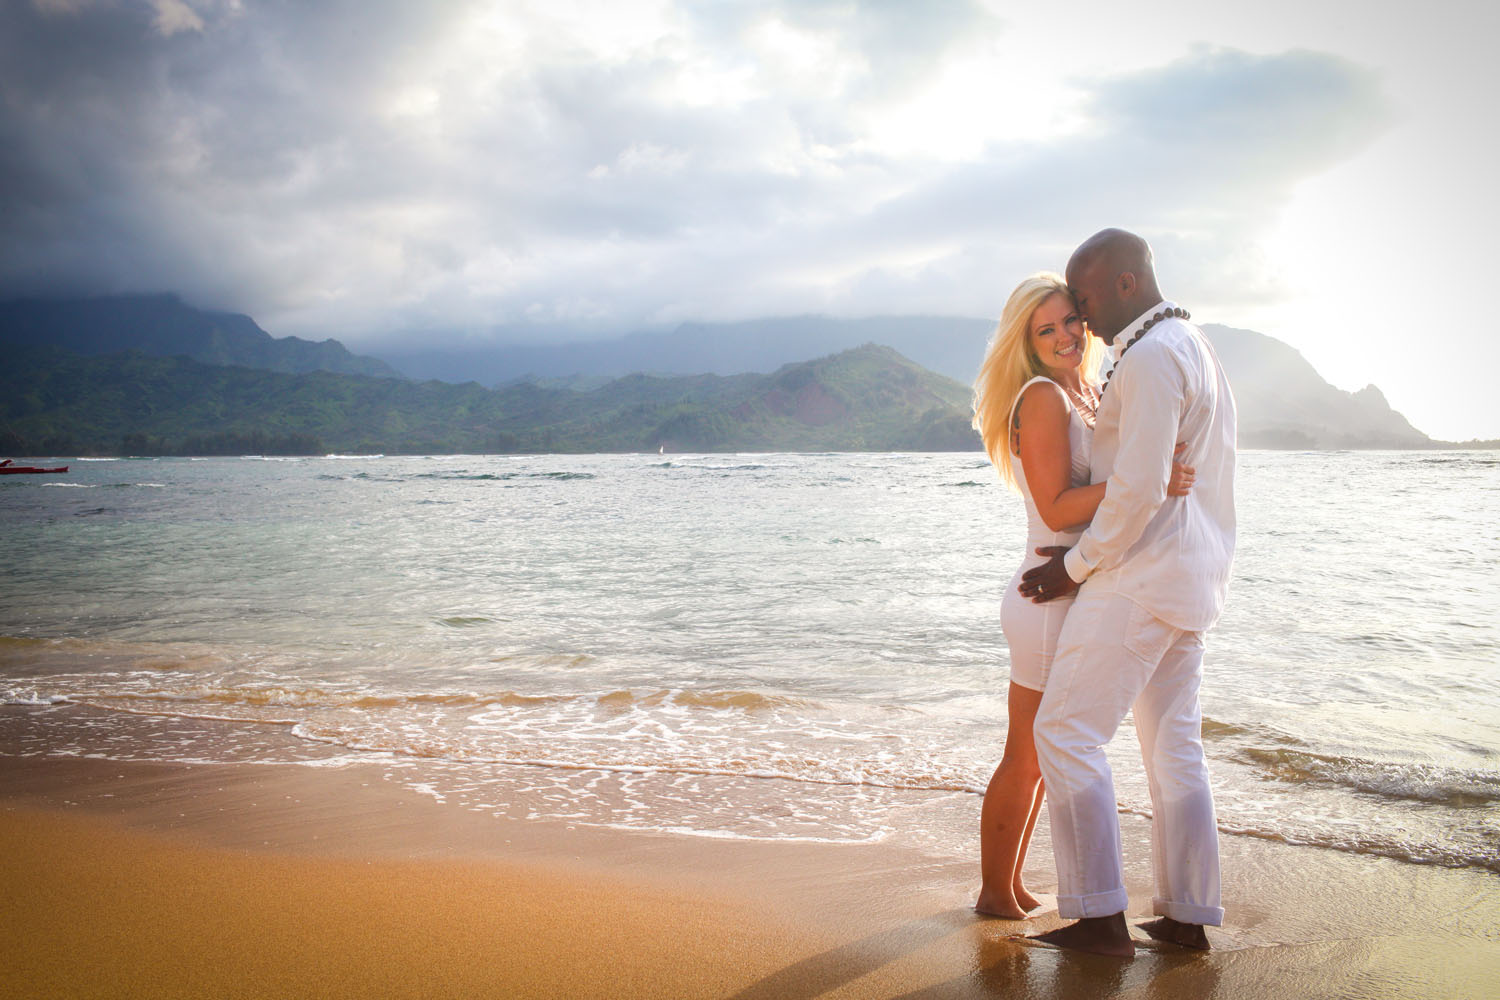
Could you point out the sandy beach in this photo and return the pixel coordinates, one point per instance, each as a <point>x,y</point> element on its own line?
<point>152,880</point>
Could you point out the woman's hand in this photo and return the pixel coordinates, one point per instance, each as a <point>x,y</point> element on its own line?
<point>1180,482</point>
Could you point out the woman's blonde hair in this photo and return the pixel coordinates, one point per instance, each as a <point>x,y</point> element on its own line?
<point>1010,362</point>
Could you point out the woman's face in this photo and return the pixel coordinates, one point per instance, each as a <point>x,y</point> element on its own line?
<point>1057,333</point>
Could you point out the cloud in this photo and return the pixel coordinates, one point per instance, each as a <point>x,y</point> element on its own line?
<point>354,169</point>
<point>1197,155</point>
<point>173,16</point>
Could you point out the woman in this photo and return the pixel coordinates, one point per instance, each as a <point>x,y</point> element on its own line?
<point>1035,400</point>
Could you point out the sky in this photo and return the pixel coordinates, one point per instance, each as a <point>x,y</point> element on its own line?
<point>390,171</point>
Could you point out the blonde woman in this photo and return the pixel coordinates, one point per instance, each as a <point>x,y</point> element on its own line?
<point>1034,406</point>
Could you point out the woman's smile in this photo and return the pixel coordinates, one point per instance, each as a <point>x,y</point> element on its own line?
<point>1057,334</point>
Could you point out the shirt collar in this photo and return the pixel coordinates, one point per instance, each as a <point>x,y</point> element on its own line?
<point>1123,337</point>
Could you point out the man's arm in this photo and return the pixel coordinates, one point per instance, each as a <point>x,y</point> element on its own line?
<point>1151,396</point>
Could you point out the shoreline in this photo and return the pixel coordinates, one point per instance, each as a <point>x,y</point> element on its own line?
<point>1432,444</point>
<point>137,879</point>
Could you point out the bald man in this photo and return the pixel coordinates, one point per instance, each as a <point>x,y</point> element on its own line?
<point>1151,573</point>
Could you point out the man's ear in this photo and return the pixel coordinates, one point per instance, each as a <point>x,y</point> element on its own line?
<point>1125,285</point>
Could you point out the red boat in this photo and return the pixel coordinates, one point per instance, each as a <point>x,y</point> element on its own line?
<point>7,469</point>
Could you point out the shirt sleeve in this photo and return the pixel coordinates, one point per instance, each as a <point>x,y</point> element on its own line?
<point>1152,388</point>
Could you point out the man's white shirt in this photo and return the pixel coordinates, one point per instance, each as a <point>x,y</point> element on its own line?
<point>1170,555</point>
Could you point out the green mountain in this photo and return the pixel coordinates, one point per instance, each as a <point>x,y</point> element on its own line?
<point>165,326</point>
<point>869,398</point>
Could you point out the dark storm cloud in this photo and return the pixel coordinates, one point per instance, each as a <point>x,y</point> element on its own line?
<point>133,156</point>
<point>73,98</point>
<point>371,166</point>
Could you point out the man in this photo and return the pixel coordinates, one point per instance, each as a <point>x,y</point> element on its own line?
<point>1153,572</point>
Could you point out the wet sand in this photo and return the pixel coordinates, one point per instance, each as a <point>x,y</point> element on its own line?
<point>152,880</point>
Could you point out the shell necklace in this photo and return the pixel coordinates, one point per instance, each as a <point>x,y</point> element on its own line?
<point>1171,312</point>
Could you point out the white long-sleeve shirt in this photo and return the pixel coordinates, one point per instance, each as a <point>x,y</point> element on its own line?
<point>1170,555</point>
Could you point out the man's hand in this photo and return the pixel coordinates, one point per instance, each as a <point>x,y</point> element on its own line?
<point>1050,580</point>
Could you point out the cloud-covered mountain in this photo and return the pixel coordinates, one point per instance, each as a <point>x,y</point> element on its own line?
<point>866,399</point>
<point>1283,401</point>
<point>951,346</point>
<point>165,326</point>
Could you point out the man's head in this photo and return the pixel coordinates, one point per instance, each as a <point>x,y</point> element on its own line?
<point>1113,281</point>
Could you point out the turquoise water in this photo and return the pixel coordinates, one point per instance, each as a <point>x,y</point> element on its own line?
<point>780,646</point>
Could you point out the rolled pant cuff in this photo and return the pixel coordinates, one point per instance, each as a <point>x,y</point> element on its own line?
<point>1183,913</point>
<point>1095,904</point>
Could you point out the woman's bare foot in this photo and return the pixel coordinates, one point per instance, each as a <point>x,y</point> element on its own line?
<point>1024,899</point>
<point>1176,932</point>
<point>991,905</point>
<point>1096,935</point>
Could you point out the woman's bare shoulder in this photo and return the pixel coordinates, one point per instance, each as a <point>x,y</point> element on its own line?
<point>1043,397</point>
<point>1040,416</point>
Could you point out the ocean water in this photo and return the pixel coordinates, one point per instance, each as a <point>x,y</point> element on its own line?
<point>765,646</point>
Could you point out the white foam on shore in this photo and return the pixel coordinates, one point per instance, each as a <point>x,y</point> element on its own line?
<point>33,697</point>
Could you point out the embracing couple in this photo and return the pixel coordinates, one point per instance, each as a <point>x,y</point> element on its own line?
<point>1129,490</point>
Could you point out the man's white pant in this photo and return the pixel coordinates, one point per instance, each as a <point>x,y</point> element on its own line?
<point>1112,655</point>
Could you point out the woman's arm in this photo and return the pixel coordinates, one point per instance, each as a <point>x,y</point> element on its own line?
<point>1041,428</point>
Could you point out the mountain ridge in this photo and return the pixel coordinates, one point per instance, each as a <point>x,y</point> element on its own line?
<point>947,345</point>
<point>163,325</point>
<point>1283,401</point>
<point>54,401</point>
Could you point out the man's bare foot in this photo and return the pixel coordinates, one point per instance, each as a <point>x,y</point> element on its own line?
<point>1096,935</point>
<point>994,905</point>
<point>1175,932</point>
<point>1024,899</point>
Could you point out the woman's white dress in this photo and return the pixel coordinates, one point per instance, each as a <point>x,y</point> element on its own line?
<point>1031,629</point>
